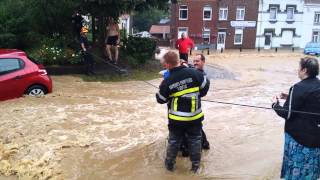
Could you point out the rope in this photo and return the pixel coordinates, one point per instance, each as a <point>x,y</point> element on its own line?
<point>109,63</point>
<point>261,107</point>
<point>151,84</point>
<point>250,106</point>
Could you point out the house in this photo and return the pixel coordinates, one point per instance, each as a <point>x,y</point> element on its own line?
<point>280,23</point>
<point>311,22</point>
<point>160,31</point>
<point>237,24</point>
<point>216,23</point>
<point>198,19</point>
<point>164,21</point>
<point>125,22</point>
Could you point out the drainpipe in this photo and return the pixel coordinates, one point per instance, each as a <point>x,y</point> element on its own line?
<point>173,23</point>
<point>260,23</point>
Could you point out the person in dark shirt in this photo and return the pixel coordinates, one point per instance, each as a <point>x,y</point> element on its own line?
<point>301,158</point>
<point>85,51</point>
<point>198,63</point>
<point>77,20</point>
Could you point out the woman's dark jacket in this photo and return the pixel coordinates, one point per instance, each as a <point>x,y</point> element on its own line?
<point>304,128</point>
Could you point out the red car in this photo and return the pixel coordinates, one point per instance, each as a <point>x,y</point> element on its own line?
<point>20,75</point>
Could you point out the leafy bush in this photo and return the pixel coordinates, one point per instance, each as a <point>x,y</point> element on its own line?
<point>54,52</point>
<point>123,37</point>
<point>138,50</point>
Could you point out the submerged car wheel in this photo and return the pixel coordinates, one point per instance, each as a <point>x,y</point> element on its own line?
<point>36,90</point>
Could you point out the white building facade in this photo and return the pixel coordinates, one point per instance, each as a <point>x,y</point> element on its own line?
<point>280,24</point>
<point>311,22</point>
<point>125,23</point>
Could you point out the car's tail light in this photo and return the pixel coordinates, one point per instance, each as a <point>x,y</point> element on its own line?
<point>42,72</point>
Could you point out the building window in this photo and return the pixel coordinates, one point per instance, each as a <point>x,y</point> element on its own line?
<point>316,36</point>
<point>183,12</point>
<point>287,36</point>
<point>240,13</point>
<point>221,37</point>
<point>238,36</point>
<point>206,36</point>
<point>317,17</point>
<point>182,30</point>
<point>207,13</point>
<point>290,13</point>
<point>273,13</point>
<point>223,14</point>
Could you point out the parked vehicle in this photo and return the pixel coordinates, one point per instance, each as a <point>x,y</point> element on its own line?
<point>21,75</point>
<point>144,34</point>
<point>312,49</point>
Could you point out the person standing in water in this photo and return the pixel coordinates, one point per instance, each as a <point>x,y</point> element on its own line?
<point>182,91</point>
<point>198,63</point>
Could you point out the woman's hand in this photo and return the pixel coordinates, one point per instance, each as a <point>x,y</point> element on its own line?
<point>275,100</point>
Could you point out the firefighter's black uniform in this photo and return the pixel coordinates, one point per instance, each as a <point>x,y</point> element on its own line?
<point>182,91</point>
<point>204,141</point>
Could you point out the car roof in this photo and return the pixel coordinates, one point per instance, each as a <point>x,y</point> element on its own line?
<point>142,32</point>
<point>12,52</point>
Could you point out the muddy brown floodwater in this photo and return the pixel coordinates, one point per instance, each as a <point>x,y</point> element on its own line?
<point>96,130</point>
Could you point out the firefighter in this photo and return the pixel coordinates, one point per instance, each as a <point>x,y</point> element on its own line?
<point>182,91</point>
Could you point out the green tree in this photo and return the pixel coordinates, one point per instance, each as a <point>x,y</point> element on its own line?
<point>104,9</point>
<point>142,21</point>
<point>52,17</point>
<point>24,23</point>
<point>13,24</point>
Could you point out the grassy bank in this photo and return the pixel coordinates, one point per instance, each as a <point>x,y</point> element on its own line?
<point>143,73</point>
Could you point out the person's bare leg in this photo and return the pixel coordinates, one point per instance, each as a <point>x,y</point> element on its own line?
<point>105,52</point>
<point>108,48</point>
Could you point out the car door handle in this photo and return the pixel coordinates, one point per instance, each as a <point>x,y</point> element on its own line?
<point>17,77</point>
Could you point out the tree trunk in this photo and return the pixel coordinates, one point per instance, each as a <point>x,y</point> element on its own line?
<point>94,39</point>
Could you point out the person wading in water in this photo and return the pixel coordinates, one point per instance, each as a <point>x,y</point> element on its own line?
<point>182,91</point>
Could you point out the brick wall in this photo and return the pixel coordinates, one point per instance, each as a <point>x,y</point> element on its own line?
<point>195,22</point>
<point>251,14</point>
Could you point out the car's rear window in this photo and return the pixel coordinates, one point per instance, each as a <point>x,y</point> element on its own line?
<point>10,65</point>
<point>313,45</point>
